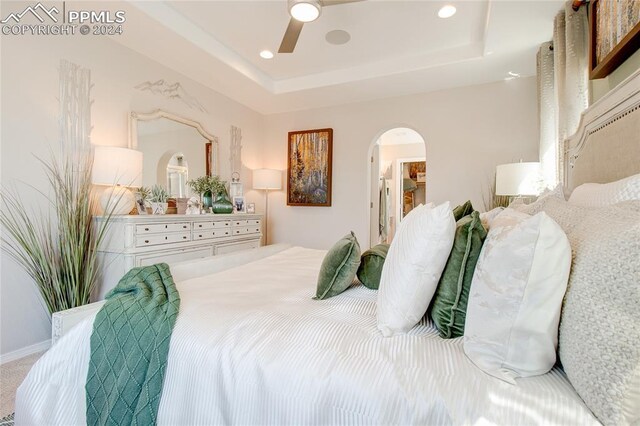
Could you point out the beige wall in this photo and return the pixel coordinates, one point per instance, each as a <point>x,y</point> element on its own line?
<point>29,129</point>
<point>602,86</point>
<point>468,131</point>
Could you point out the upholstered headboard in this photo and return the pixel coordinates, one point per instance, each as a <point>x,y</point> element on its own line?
<point>606,146</point>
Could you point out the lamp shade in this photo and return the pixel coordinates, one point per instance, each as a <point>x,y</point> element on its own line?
<point>518,179</point>
<point>117,166</point>
<point>267,179</point>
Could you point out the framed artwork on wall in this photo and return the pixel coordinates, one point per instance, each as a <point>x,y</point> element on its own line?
<point>614,34</point>
<point>309,168</point>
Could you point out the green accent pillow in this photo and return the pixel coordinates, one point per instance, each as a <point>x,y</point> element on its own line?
<point>371,264</point>
<point>449,305</point>
<point>462,210</point>
<point>339,267</point>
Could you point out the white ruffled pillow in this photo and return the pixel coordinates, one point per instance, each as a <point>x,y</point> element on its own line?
<point>413,267</point>
<point>606,194</point>
<point>511,329</point>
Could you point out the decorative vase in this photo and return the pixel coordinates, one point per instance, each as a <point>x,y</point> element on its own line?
<point>207,200</point>
<point>221,204</point>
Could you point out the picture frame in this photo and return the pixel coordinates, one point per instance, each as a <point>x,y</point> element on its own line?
<point>208,156</point>
<point>309,167</point>
<point>141,205</point>
<point>239,205</point>
<point>421,177</point>
<point>251,208</point>
<point>614,34</point>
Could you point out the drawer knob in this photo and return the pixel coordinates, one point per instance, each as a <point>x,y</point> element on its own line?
<point>166,238</point>
<point>184,226</point>
<point>146,229</point>
<point>166,226</point>
<point>146,241</point>
<point>199,226</point>
<point>226,233</point>
<point>199,236</point>
<point>184,237</point>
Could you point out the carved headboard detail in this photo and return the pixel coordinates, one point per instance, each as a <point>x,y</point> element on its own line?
<point>606,146</point>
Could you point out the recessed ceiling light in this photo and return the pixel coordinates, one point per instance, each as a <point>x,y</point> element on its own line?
<point>266,54</point>
<point>304,10</point>
<point>447,11</point>
<point>337,37</point>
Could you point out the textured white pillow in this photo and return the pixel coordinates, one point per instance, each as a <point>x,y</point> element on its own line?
<point>606,194</point>
<point>413,267</point>
<point>516,294</point>
<point>600,322</point>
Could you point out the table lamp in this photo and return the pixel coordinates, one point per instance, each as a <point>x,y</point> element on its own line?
<point>267,179</point>
<point>119,169</point>
<point>518,179</point>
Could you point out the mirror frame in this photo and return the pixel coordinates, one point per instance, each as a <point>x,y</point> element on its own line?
<point>134,117</point>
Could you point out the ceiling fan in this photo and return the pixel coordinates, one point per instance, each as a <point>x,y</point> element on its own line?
<point>302,11</point>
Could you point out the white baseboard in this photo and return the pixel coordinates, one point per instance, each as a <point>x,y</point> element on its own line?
<point>21,353</point>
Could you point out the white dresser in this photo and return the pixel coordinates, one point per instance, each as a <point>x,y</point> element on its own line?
<point>140,240</point>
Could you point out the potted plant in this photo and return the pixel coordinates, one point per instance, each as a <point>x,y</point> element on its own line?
<point>200,186</point>
<point>220,197</point>
<point>58,252</point>
<point>159,198</point>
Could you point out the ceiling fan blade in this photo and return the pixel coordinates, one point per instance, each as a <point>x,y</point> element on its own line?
<point>291,36</point>
<point>337,2</point>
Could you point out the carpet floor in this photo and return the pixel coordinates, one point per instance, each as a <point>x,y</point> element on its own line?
<point>11,375</point>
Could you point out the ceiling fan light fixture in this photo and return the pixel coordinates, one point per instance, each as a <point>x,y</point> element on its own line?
<point>304,10</point>
<point>447,11</point>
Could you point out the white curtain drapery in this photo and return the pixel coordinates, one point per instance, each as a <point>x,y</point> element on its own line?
<point>563,88</point>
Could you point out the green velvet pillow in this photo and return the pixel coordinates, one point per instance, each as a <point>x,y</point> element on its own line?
<point>371,264</point>
<point>462,210</point>
<point>449,305</point>
<point>339,267</point>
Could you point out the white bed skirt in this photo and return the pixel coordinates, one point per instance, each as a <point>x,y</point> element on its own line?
<point>250,346</point>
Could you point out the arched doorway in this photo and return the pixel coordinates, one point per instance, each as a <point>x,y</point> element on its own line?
<point>397,180</point>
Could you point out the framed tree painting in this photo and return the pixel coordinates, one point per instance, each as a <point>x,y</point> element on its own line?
<point>309,168</point>
<point>614,34</point>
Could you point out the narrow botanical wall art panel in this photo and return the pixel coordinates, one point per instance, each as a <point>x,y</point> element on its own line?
<point>309,168</point>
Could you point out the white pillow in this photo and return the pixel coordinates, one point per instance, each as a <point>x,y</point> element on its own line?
<point>516,294</point>
<point>412,269</point>
<point>486,218</point>
<point>606,194</point>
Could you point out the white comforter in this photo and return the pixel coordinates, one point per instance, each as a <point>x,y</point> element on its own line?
<point>250,346</point>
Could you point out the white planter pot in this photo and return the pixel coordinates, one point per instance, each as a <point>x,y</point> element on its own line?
<point>159,208</point>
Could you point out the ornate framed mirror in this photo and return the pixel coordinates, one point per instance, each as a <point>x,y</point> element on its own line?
<point>175,149</point>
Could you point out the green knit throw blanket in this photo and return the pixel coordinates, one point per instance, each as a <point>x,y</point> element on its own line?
<point>129,348</point>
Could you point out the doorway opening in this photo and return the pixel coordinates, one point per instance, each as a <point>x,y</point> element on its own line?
<point>398,181</point>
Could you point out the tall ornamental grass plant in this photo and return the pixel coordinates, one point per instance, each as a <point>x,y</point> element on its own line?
<point>58,251</point>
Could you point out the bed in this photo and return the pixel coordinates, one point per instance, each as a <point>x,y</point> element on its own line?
<point>250,346</point>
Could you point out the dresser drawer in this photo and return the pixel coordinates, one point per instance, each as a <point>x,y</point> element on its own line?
<point>207,234</point>
<point>174,256</point>
<point>246,222</point>
<point>246,230</point>
<point>153,240</point>
<point>232,247</point>
<point>152,228</point>
<point>214,224</point>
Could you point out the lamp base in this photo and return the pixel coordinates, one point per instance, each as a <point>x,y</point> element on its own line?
<point>117,200</point>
